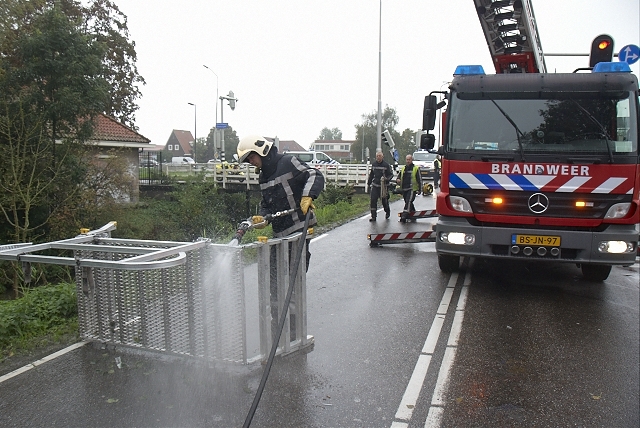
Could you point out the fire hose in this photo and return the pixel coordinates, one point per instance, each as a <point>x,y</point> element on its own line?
<point>276,339</point>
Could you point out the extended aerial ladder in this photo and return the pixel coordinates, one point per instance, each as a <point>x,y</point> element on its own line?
<point>511,33</point>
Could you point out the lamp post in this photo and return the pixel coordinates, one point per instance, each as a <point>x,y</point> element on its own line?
<point>379,124</point>
<point>214,73</point>
<point>195,130</point>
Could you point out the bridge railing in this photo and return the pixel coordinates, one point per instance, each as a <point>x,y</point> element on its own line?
<point>341,174</point>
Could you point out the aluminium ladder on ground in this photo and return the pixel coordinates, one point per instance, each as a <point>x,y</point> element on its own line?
<point>181,298</point>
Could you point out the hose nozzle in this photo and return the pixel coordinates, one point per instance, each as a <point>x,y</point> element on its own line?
<point>248,224</point>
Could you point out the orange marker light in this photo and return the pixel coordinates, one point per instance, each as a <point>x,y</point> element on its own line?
<point>580,204</point>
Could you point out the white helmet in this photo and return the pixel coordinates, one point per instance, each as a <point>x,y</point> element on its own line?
<point>253,143</point>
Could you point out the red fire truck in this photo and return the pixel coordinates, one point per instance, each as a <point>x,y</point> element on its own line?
<point>540,166</point>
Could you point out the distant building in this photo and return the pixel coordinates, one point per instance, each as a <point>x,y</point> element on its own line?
<point>339,150</point>
<point>110,134</point>
<point>179,143</point>
<point>288,146</point>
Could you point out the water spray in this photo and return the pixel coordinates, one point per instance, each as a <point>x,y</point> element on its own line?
<point>248,224</point>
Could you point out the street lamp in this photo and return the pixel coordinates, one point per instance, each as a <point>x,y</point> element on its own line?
<point>216,90</point>
<point>195,130</point>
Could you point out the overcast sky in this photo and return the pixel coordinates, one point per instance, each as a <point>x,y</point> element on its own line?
<point>298,66</point>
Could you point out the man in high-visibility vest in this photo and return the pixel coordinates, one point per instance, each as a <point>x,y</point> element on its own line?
<point>410,183</point>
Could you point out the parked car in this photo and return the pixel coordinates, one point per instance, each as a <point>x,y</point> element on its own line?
<point>424,160</point>
<point>314,158</point>
<point>149,163</point>
<point>182,160</point>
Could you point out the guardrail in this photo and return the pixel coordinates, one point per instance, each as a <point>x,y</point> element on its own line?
<point>342,174</point>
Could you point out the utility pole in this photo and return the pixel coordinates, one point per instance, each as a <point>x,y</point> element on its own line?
<point>195,130</point>
<point>379,124</point>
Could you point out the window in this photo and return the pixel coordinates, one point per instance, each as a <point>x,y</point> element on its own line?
<point>344,147</point>
<point>169,147</point>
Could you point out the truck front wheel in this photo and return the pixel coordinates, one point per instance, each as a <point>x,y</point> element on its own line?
<point>448,263</point>
<point>595,273</point>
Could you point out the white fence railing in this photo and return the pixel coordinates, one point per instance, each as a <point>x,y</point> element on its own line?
<point>343,174</point>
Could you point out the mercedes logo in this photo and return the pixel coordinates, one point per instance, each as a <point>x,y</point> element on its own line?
<point>538,203</point>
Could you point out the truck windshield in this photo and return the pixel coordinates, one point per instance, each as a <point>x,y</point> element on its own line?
<point>584,124</point>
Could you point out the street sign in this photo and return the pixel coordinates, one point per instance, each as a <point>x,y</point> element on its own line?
<point>629,54</point>
<point>222,125</point>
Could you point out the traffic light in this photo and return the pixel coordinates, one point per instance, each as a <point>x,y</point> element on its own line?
<point>386,138</point>
<point>232,100</point>
<point>601,50</point>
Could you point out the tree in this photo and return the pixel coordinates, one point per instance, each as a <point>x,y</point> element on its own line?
<point>367,130</point>
<point>330,134</point>
<point>52,84</point>
<point>231,141</point>
<point>105,24</point>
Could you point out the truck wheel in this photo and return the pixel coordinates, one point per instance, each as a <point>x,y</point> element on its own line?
<point>448,263</point>
<point>595,273</point>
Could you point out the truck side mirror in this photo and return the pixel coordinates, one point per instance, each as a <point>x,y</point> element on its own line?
<point>429,113</point>
<point>427,141</point>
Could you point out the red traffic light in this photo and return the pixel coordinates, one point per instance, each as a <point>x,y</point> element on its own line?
<point>604,44</point>
<point>601,50</point>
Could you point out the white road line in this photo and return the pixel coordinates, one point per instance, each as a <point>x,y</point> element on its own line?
<point>42,361</point>
<point>411,393</point>
<point>439,394</point>
<point>410,397</point>
<point>317,238</point>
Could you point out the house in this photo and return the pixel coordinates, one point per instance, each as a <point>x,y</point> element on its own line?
<point>339,150</point>
<point>286,145</point>
<point>110,134</point>
<point>180,143</point>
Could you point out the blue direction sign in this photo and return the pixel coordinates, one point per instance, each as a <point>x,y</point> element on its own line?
<point>222,125</point>
<point>629,54</point>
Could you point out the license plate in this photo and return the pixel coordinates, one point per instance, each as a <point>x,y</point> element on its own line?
<point>539,240</point>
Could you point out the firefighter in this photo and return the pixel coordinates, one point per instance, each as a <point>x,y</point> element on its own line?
<point>379,177</point>
<point>410,183</point>
<point>437,166</point>
<point>286,183</point>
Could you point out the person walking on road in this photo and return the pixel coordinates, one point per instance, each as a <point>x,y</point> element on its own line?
<point>410,183</point>
<point>379,176</point>
<point>437,166</point>
<point>285,183</point>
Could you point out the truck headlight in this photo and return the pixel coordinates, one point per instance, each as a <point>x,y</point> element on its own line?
<point>615,247</point>
<point>460,204</point>
<point>618,210</point>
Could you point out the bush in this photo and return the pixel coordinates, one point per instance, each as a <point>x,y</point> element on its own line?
<point>41,311</point>
<point>332,194</point>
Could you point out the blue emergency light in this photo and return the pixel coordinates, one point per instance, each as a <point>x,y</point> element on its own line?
<point>611,67</point>
<point>469,70</point>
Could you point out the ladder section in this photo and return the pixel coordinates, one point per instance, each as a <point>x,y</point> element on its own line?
<point>511,33</point>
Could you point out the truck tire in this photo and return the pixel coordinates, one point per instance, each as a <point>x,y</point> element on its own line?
<point>448,263</point>
<point>595,273</point>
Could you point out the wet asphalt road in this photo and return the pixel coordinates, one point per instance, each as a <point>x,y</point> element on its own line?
<point>537,346</point>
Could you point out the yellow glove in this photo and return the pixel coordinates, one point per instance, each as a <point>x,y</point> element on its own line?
<point>306,203</point>
<point>259,222</point>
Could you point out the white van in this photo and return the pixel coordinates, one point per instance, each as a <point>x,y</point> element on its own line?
<point>313,158</point>
<point>182,160</point>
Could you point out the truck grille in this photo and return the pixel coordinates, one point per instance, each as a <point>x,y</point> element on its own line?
<point>561,205</point>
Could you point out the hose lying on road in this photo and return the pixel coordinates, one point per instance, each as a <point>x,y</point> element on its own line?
<point>274,346</point>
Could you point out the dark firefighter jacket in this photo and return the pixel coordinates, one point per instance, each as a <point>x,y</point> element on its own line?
<point>284,180</point>
<point>379,170</point>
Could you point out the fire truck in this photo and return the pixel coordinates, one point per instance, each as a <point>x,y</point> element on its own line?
<point>535,165</point>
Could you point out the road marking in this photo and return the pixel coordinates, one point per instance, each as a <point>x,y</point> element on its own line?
<point>438,399</point>
<point>42,361</point>
<point>317,238</point>
<point>411,393</point>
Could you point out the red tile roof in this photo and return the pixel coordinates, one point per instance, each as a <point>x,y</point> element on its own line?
<point>108,129</point>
